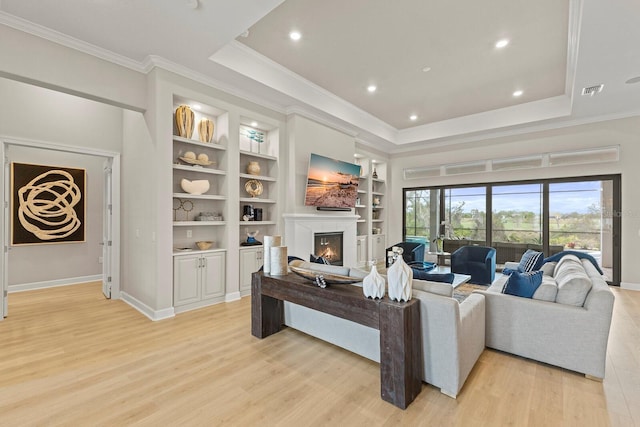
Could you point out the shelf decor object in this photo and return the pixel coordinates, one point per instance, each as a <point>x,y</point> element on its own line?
<point>373,285</point>
<point>205,130</point>
<point>204,245</point>
<point>254,187</point>
<point>201,159</point>
<point>184,121</point>
<point>253,168</point>
<point>195,187</point>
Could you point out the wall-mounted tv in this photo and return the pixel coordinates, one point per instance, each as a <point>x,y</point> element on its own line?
<point>331,183</point>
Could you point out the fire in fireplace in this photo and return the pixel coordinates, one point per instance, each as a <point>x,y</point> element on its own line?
<point>329,246</point>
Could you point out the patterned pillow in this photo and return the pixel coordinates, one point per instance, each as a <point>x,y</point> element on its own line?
<point>531,260</point>
<point>523,284</point>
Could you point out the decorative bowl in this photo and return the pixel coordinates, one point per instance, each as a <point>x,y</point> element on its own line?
<point>327,278</point>
<point>196,187</point>
<point>204,245</point>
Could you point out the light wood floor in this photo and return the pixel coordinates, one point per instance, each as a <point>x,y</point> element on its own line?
<point>69,357</point>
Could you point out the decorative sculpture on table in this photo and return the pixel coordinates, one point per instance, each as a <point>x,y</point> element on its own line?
<point>400,278</point>
<point>373,285</point>
<point>184,121</point>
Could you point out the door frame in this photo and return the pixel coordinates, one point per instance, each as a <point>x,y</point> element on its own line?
<point>5,216</point>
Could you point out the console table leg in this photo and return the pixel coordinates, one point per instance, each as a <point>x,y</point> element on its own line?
<point>267,313</point>
<point>400,354</point>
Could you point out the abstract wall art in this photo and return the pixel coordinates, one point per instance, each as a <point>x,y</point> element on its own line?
<point>47,204</point>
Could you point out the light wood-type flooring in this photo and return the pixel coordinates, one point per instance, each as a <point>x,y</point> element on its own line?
<point>70,357</point>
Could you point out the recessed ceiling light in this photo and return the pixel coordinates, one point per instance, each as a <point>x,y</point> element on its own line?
<point>372,88</point>
<point>517,93</point>
<point>254,124</point>
<point>502,43</point>
<point>197,107</point>
<point>413,117</point>
<point>426,69</point>
<point>295,35</point>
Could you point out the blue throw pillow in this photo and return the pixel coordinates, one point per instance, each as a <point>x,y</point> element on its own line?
<point>433,277</point>
<point>523,284</point>
<point>531,260</point>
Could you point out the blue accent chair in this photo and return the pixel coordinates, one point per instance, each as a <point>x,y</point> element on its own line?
<point>412,252</point>
<point>477,261</point>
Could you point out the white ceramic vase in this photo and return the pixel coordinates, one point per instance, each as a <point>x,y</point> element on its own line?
<point>373,285</point>
<point>400,277</point>
<point>269,242</point>
<point>196,187</point>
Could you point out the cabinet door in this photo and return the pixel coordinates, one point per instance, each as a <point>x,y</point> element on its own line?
<point>213,275</point>
<point>250,262</point>
<point>186,279</point>
<point>379,247</point>
<point>361,256</point>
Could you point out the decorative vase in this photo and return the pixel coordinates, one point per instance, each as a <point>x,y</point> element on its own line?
<point>400,278</point>
<point>196,187</point>
<point>269,242</point>
<point>184,121</point>
<point>253,168</point>
<point>373,285</point>
<point>205,130</point>
<point>279,258</point>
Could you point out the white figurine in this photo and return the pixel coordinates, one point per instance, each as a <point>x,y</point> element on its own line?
<point>400,278</point>
<point>373,285</point>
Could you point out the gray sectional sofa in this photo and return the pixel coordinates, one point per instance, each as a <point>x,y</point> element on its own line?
<point>565,324</point>
<point>453,334</point>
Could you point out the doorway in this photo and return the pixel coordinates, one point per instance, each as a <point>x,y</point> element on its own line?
<point>110,233</point>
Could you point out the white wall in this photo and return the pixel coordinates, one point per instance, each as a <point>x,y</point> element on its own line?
<point>305,137</point>
<point>623,132</point>
<point>33,113</point>
<point>35,60</point>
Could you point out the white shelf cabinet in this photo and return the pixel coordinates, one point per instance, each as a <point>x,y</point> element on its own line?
<point>251,259</point>
<point>198,279</point>
<point>361,251</point>
<point>379,247</point>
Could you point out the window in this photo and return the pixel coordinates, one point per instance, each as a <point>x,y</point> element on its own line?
<point>547,215</point>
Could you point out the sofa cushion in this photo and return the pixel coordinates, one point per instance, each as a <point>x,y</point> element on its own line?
<point>548,268</point>
<point>523,284</point>
<point>443,289</point>
<point>433,277</point>
<point>573,282</point>
<point>547,290</point>
<point>531,260</point>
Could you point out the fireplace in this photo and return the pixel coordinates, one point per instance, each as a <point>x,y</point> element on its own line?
<point>329,246</point>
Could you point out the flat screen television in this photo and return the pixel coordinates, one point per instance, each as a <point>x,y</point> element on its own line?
<point>331,184</point>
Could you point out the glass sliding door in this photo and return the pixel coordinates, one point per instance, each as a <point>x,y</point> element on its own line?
<point>465,213</point>
<point>581,219</point>
<point>516,215</point>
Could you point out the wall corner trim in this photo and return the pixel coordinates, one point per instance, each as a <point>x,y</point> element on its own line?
<point>152,314</point>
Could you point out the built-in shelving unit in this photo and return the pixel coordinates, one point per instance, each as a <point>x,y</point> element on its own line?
<point>199,275</point>
<point>371,234</point>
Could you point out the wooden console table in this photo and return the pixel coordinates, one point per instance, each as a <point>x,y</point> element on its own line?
<point>398,323</point>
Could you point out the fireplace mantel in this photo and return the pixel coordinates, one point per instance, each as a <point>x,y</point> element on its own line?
<point>300,229</point>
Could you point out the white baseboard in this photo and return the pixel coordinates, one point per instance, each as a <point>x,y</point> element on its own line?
<point>54,283</point>
<point>233,296</point>
<point>630,286</point>
<point>145,309</point>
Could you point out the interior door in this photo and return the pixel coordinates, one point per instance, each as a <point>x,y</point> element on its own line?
<point>107,238</point>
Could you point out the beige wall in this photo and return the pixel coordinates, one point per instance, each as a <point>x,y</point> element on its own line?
<point>623,132</point>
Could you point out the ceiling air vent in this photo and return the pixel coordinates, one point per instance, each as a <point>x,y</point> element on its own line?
<point>591,90</point>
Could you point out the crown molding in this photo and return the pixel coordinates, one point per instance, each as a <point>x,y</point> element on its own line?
<point>68,41</point>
